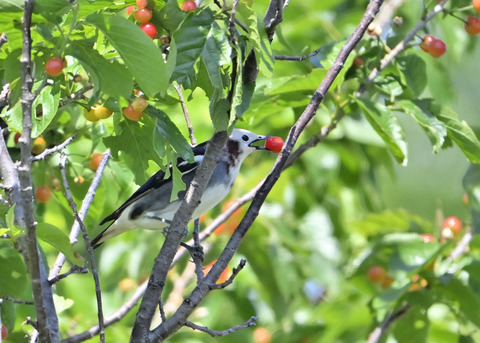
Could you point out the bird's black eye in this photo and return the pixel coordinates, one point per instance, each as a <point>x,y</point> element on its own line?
<point>245,138</point>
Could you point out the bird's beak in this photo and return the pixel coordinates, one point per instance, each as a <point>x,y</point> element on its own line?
<point>255,145</point>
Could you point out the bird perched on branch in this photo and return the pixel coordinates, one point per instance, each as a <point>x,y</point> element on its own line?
<point>150,206</point>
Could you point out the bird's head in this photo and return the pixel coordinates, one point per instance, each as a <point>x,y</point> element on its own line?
<point>242,143</point>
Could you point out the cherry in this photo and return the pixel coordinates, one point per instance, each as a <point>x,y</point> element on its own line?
<point>427,238</point>
<point>54,66</point>
<point>130,9</point>
<point>452,224</point>
<point>131,114</point>
<point>95,160</point>
<point>43,194</point>
<point>101,112</point>
<point>437,48</point>
<point>142,3</point>
<point>139,104</point>
<point>38,145</point>
<point>376,274</point>
<point>358,62</point>
<point>90,115</point>
<point>149,29</point>
<point>472,25</point>
<point>262,335</point>
<point>476,5</point>
<point>17,137</point>
<point>143,15</point>
<point>126,284</point>
<point>427,41</point>
<point>387,282</point>
<point>4,332</point>
<point>274,144</point>
<point>189,6</point>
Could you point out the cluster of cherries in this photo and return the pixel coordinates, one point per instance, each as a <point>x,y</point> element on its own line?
<point>436,47</point>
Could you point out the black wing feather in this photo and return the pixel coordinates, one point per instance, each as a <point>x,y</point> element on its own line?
<point>156,181</point>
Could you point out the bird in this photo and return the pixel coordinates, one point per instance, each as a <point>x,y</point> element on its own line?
<point>150,207</point>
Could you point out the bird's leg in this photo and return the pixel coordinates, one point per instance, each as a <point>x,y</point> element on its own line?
<point>196,250</point>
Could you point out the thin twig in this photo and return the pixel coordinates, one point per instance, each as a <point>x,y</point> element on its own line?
<point>87,201</point>
<point>228,282</point>
<point>214,333</point>
<point>17,301</point>
<point>380,330</point>
<point>193,141</point>
<point>74,270</point>
<point>297,58</point>
<point>73,206</point>
<point>75,96</point>
<point>53,150</point>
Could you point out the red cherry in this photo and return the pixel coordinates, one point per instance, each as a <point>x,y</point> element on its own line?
<point>189,6</point>
<point>376,274</point>
<point>131,113</point>
<point>130,9</point>
<point>472,26</point>
<point>54,66</point>
<point>43,194</point>
<point>17,137</point>
<point>143,15</point>
<point>453,223</point>
<point>427,238</point>
<point>95,160</point>
<point>4,332</point>
<point>437,48</point>
<point>274,144</point>
<point>425,45</point>
<point>142,3</point>
<point>149,29</point>
<point>476,5</point>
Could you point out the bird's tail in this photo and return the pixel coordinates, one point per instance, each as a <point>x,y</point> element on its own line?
<point>102,237</point>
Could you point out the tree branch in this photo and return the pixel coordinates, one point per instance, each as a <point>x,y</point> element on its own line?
<point>48,152</point>
<point>380,330</point>
<point>73,206</point>
<point>87,201</point>
<point>47,319</point>
<point>214,333</point>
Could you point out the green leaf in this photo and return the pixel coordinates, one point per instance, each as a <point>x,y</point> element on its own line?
<point>413,326</point>
<point>414,73</point>
<point>135,141</point>
<point>141,56</point>
<point>464,297</point>
<point>111,77</point>
<point>299,83</point>
<point>166,131</point>
<point>187,45</point>
<point>45,106</point>
<point>461,134</point>
<point>59,240</point>
<point>471,184</point>
<point>387,126</point>
<point>435,129</point>
<point>258,39</point>
<point>52,9</point>
<point>11,6</point>
<point>12,268</point>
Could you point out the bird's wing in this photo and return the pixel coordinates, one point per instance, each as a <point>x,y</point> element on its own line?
<point>157,181</point>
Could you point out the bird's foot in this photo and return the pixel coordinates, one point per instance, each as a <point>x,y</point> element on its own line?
<point>196,251</point>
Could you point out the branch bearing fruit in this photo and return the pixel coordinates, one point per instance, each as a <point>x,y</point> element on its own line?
<point>189,6</point>
<point>143,15</point>
<point>472,25</point>
<point>149,29</point>
<point>43,194</point>
<point>274,144</point>
<point>54,66</point>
